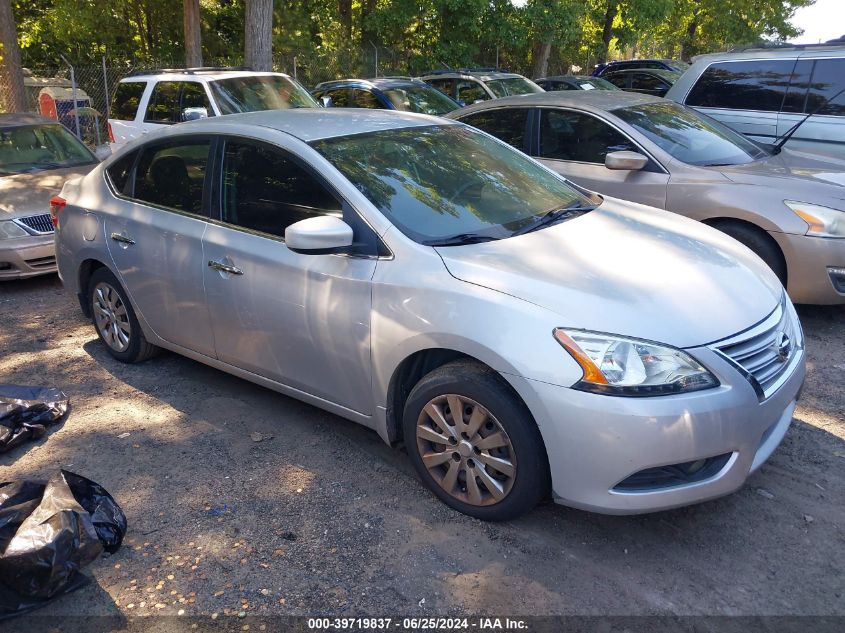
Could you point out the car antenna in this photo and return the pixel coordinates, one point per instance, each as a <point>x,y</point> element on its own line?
<point>779,143</point>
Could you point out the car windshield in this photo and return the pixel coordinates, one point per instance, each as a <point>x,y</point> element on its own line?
<point>689,136</point>
<point>449,184</point>
<point>423,99</point>
<point>260,92</point>
<point>38,147</point>
<point>512,86</point>
<point>595,83</point>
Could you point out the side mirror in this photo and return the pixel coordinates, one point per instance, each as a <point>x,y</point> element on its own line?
<point>192,114</point>
<point>625,160</point>
<point>326,101</point>
<point>323,235</point>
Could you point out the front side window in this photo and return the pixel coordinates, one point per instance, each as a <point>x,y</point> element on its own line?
<point>650,84</point>
<point>443,85</point>
<point>449,182</point>
<point>253,93</point>
<point>33,148</point>
<point>339,97</point>
<point>746,85</point>
<point>365,99</point>
<point>194,99</point>
<point>423,99</point>
<point>579,137</point>
<point>173,175</point>
<point>507,125</point>
<point>689,136</point>
<point>264,190</point>
<point>127,97</point>
<point>164,103</point>
<point>471,91</point>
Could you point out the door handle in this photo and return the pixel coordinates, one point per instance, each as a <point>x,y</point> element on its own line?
<point>226,268</point>
<point>123,239</point>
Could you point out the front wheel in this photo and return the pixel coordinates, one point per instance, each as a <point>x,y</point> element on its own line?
<point>474,443</point>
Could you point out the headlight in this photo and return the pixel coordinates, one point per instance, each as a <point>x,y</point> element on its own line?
<point>9,229</point>
<point>620,366</point>
<point>823,221</point>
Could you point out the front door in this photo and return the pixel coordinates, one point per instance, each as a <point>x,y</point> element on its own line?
<point>301,320</point>
<point>575,144</point>
<point>156,241</point>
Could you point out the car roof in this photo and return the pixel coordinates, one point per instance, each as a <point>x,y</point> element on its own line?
<point>776,52</point>
<point>483,75</point>
<point>314,124</point>
<point>567,78</point>
<point>585,99</point>
<point>197,75</point>
<point>382,83</point>
<point>21,119</point>
<point>660,72</point>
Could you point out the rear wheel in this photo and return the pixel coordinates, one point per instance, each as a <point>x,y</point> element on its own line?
<point>474,443</point>
<point>115,320</point>
<point>759,242</point>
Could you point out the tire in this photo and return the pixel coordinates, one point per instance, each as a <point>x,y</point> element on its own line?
<point>506,436</point>
<point>115,320</point>
<point>759,242</point>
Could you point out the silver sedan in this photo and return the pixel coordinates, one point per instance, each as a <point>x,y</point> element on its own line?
<point>787,207</point>
<point>521,337</point>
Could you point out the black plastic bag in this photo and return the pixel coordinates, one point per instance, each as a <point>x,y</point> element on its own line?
<point>25,413</point>
<point>48,532</point>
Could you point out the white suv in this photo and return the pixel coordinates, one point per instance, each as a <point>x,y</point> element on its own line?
<point>145,102</point>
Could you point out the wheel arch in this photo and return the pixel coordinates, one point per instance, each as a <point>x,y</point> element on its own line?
<point>719,223</point>
<point>84,273</point>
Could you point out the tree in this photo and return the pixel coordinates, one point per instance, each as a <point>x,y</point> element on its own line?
<point>552,24</point>
<point>258,34</point>
<point>193,41</point>
<point>12,95</point>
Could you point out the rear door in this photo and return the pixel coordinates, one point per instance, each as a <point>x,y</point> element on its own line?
<point>125,112</point>
<point>506,124</point>
<point>301,320</point>
<point>747,95</point>
<point>156,241</point>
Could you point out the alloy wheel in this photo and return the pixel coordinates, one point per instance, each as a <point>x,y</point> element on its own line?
<point>466,450</point>
<point>110,317</point>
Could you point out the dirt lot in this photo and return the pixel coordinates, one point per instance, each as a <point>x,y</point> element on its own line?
<point>323,518</point>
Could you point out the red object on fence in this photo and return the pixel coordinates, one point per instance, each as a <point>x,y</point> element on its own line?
<point>47,106</point>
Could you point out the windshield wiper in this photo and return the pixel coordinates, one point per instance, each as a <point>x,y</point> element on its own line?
<point>553,216</point>
<point>461,238</point>
<point>779,143</point>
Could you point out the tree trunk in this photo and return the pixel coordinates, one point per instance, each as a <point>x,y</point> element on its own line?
<point>344,7</point>
<point>607,30</point>
<point>368,34</point>
<point>193,41</point>
<point>258,35</point>
<point>12,94</point>
<point>542,52</point>
<point>689,38</point>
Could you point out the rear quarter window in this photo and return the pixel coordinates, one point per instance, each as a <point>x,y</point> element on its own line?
<point>118,173</point>
<point>127,98</point>
<point>744,85</point>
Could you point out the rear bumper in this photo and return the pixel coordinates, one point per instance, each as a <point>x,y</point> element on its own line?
<point>27,257</point>
<point>809,261</point>
<point>595,442</point>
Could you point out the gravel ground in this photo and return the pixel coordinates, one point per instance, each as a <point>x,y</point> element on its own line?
<point>243,500</point>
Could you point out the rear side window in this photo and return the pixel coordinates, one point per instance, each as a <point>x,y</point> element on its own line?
<point>164,102</point>
<point>443,85</point>
<point>365,99</point>
<point>127,97</point>
<point>119,172</point>
<point>578,137</point>
<point>618,79</point>
<point>172,175</point>
<point>647,83</point>
<point>471,91</point>
<point>747,85</point>
<point>339,97</point>
<point>828,79</point>
<point>507,125</point>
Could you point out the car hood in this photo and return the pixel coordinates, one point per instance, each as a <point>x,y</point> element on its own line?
<point>807,175</point>
<point>29,194</point>
<point>631,270</point>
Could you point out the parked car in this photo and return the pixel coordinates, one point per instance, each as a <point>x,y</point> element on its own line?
<point>421,278</point>
<point>764,93</point>
<point>675,65</point>
<point>574,82</point>
<point>148,101</point>
<point>788,208</point>
<point>651,82</point>
<point>37,155</point>
<point>471,85</point>
<point>389,93</point>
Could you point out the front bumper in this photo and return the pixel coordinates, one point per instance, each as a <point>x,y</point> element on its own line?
<point>27,257</point>
<point>595,442</point>
<point>809,261</point>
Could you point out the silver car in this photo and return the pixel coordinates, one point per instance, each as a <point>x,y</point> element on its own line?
<point>520,336</point>
<point>37,156</point>
<point>787,207</point>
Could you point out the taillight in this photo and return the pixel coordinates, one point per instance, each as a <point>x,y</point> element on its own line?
<point>57,203</point>
<point>111,134</point>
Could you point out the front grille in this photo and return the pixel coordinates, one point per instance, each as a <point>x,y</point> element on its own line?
<point>39,223</point>
<point>674,475</point>
<point>764,352</point>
